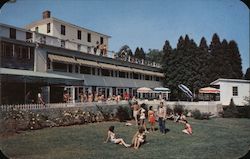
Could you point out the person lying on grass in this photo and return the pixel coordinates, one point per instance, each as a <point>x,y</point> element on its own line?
<point>188,128</point>
<point>111,137</point>
<point>139,138</point>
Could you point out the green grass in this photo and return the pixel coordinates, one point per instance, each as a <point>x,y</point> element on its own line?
<point>216,138</point>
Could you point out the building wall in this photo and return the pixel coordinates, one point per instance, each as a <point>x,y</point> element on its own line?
<point>40,60</point>
<point>5,32</point>
<point>226,94</point>
<point>71,34</point>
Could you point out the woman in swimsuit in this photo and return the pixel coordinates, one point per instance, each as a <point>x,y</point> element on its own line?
<point>113,139</point>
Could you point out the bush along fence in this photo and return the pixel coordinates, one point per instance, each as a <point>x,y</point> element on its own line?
<point>16,118</point>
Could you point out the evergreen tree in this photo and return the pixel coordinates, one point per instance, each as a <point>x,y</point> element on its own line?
<point>247,75</point>
<point>124,51</point>
<point>154,55</point>
<point>203,44</point>
<point>216,58</point>
<point>137,53</point>
<point>142,54</point>
<point>235,60</point>
<point>167,50</point>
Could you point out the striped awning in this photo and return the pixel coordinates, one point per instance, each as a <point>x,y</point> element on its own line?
<point>148,72</point>
<point>88,63</point>
<point>108,66</point>
<point>121,68</point>
<point>64,59</point>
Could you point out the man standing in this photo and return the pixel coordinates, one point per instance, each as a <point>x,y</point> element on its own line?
<point>162,117</point>
<point>135,108</point>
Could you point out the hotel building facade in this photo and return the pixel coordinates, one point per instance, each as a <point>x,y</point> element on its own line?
<point>51,56</point>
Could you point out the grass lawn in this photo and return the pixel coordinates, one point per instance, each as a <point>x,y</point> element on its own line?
<point>216,138</point>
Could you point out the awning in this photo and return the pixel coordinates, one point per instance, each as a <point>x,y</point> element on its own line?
<point>161,90</point>
<point>88,63</point>
<point>58,58</point>
<point>148,72</point>
<point>18,75</point>
<point>126,69</point>
<point>108,66</point>
<point>209,90</point>
<point>144,90</point>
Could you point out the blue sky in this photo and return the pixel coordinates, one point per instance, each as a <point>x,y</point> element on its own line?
<point>143,23</point>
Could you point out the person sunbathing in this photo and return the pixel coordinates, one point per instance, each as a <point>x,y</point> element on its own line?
<point>139,138</point>
<point>112,137</point>
<point>188,128</point>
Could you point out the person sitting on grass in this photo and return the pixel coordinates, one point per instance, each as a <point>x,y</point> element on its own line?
<point>188,128</point>
<point>139,138</point>
<point>113,139</point>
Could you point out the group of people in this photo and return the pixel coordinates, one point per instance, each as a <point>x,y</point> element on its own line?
<point>139,114</point>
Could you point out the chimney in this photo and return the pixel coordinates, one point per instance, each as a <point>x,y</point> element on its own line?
<point>46,14</point>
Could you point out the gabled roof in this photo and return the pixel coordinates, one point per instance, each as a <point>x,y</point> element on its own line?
<point>216,82</point>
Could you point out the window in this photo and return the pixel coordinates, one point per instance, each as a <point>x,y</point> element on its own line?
<point>121,74</point>
<point>79,34</point>
<point>70,68</point>
<point>157,78</point>
<point>62,29</point>
<point>89,37</point>
<point>36,29</point>
<point>12,33</point>
<point>105,72</point>
<point>85,70</point>
<point>48,28</point>
<point>146,77</point>
<point>235,91</point>
<point>79,47</point>
<point>7,49</point>
<point>28,36</point>
<point>93,71</point>
<point>76,69</point>
<point>101,40</point>
<point>61,67</point>
<point>88,49</point>
<point>63,43</point>
<point>136,75</point>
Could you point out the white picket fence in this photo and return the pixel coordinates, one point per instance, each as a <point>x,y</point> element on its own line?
<point>59,105</point>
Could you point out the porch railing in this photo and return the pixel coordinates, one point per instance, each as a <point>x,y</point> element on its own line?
<point>59,105</point>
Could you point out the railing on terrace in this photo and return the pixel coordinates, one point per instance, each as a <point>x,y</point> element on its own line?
<point>54,41</point>
<point>58,105</point>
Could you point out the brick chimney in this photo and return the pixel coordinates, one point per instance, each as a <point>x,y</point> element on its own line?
<point>46,14</point>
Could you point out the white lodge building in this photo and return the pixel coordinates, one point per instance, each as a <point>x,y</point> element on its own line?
<point>236,89</point>
<point>51,56</point>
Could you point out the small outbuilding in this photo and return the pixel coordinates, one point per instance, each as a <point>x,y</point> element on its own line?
<point>237,89</point>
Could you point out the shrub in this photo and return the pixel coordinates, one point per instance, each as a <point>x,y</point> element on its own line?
<point>123,113</point>
<point>230,111</point>
<point>178,109</point>
<point>198,115</point>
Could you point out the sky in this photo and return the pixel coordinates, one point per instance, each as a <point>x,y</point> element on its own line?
<point>143,23</point>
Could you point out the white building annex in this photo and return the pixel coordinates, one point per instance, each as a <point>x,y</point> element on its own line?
<point>236,89</point>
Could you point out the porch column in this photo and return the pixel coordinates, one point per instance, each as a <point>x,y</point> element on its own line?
<point>72,90</point>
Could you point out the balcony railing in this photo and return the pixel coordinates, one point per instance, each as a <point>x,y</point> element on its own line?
<point>101,51</point>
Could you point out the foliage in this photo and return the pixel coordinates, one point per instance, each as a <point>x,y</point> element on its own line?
<point>123,113</point>
<point>198,66</point>
<point>230,111</point>
<point>124,52</point>
<point>154,55</point>
<point>247,75</point>
<point>198,115</point>
<point>139,53</point>
<point>178,108</point>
